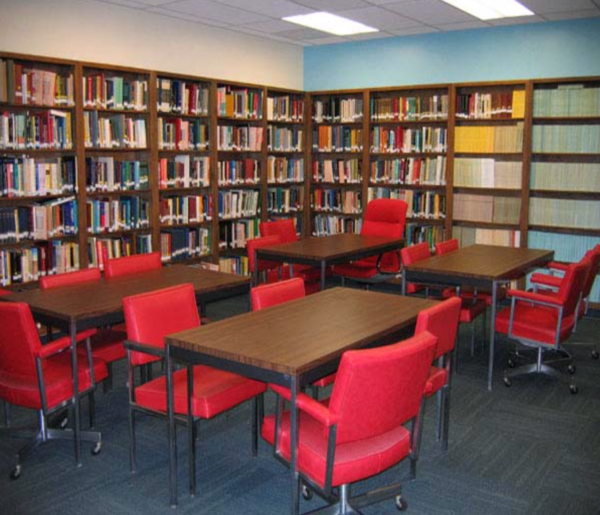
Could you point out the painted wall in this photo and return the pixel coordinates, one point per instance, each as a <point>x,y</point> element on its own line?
<point>558,49</point>
<point>107,33</point>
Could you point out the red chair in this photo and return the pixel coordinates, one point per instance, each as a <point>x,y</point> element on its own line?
<point>268,271</point>
<point>149,318</point>
<point>411,255</point>
<point>543,322</point>
<point>268,295</point>
<point>442,322</point>
<point>359,431</point>
<point>107,345</point>
<point>132,264</point>
<point>383,217</point>
<point>40,377</point>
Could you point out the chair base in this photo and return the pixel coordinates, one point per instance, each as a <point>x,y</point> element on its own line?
<point>545,367</point>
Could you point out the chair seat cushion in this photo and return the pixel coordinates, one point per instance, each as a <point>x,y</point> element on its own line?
<point>546,279</point>
<point>470,310</point>
<point>536,323</point>
<point>470,294</point>
<point>353,461</point>
<point>362,269</point>
<point>107,345</point>
<point>325,381</point>
<point>84,335</point>
<point>438,377</point>
<point>58,380</point>
<point>215,391</point>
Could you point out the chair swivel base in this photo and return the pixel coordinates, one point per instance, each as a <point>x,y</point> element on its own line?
<point>541,368</point>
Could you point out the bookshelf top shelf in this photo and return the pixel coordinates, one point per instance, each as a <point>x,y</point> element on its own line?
<point>116,111</point>
<point>565,230</point>
<point>487,121</point>
<point>431,121</point>
<point>485,225</point>
<point>58,107</point>
<point>171,114</point>
<point>566,120</point>
<point>330,123</point>
<point>491,191</point>
<point>566,194</point>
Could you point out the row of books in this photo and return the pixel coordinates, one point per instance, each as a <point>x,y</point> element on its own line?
<point>570,139</point>
<point>336,201</point>
<point>565,176</point>
<point>431,234</point>
<point>37,177</point>
<point>342,171</point>
<point>182,97</point>
<point>487,173</point>
<point>285,200</point>
<point>190,209</point>
<point>178,134</point>
<point>234,235</point>
<point>567,100</point>
<point>234,265</point>
<point>123,214</point>
<point>103,91</point>
<point>239,102</point>
<point>327,138</point>
<point>335,109</point>
<point>238,204</point>
<point>102,249</point>
<point>107,174</point>
<point>474,235</point>
<point>412,170</point>
<point>495,105</point>
<point>184,172</point>
<point>184,243</point>
<point>29,264</point>
<point>46,130</point>
<point>582,214</point>
<point>282,170</point>
<point>26,85</point>
<point>113,131</point>
<point>400,108</point>
<point>327,225</point>
<point>488,140</point>
<point>239,138</point>
<point>421,204</point>
<point>284,139</point>
<point>486,208</point>
<point>285,109</point>
<point>243,171</point>
<point>401,139</point>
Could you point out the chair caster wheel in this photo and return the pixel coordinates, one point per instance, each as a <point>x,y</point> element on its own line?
<point>571,369</point>
<point>573,389</point>
<point>595,354</point>
<point>401,504</point>
<point>507,382</point>
<point>96,449</point>
<point>511,364</point>
<point>16,472</point>
<point>64,423</point>
<point>307,493</point>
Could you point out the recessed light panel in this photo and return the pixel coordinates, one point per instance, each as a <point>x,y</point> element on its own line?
<point>330,23</point>
<point>491,9</point>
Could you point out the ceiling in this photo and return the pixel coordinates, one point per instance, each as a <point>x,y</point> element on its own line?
<point>392,17</point>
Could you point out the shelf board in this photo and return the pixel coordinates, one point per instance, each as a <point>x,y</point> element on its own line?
<point>12,105</point>
<point>496,192</point>
<point>425,221</point>
<point>238,218</point>
<point>320,185</point>
<point>354,153</point>
<point>234,152</point>
<point>238,120</point>
<point>336,213</point>
<point>284,152</point>
<point>191,189</point>
<point>285,184</point>
<point>407,154</point>
<point>563,194</point>
<point>576,120</point>
<point>175,152</point>
<point>284,215</point>
<point>483,121</point>
<point>120,193</point>
<point>137,112</point>
<point>349,124</point>
<point>394,123</point>
<point>286,122</point>
<point>424,187</point>
<point>194,225</point>
<point>565,230</point>
<point>32,243</point>
<point>37,151</point>
<point>251,186</point>
<point>119,234</point>
<point>100,150</point>
<point>485,225</point>
<point>163,114</point>
<point>17,200</point>
<point>564,157</point>
<point>505,156</point>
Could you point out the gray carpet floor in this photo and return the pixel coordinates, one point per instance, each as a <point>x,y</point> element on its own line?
<point>532,449</point>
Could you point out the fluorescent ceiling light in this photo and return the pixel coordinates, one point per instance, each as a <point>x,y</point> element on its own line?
<point>330,23</point>
<point>491,9</point>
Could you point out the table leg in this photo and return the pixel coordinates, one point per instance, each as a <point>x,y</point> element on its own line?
<point>295,477</point>
<point>171,431</point>
<point>76,422</point>
<point>492,335</point>
<point>323,273</point>
<point>403,281</point>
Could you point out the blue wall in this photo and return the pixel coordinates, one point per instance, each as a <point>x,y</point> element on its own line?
<point>538,50</point>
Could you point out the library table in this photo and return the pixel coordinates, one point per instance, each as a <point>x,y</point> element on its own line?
<point>480,266</point>
<point>292,344</point>
<point>329,250</point>
<point>83,306</point>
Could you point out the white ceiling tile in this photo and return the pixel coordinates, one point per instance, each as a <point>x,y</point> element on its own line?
<point>553,6</point>
<point>213,11</point>
<point>329,40</point>
<point>272,8</point>
<point>385,2</point>
<point>303,34</point>
<point>379,18</point>
<point>519,20</point>
<point>333,6</point>
<point>263,35</point>
<point>414,31</point>
<point>588,13</point>
<point>135,4</point>
<point>371,35</point>
<point>464,25</point>
<point>269,26</point>
<point>431,12</point>
<point>186,16</point>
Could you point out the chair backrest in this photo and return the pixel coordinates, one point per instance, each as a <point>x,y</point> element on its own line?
<point>285,229</point>
<point>594,258</point>
<point>268,295</point>
<point>4,292</point>
<point>442,321</point>
<point>19,341</point>
<point>377,390</point>
<point>255,265</point>
<point>132,264</point>
<point>413,254</point>
<point>81,276</point>
<point>447,246</point>
<point>572,284</point>
<point>149,317</point>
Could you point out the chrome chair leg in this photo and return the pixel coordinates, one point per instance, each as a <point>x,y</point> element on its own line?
<point>6,414</point>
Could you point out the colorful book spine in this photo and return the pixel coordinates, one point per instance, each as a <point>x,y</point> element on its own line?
<point>49,130</point>
<point>342,171</point>
<point>179,134</point>
<point>37,177</point>
<point>105,174</point>
<point>413,170</point>
<point>285,109</point>
<point>124,214</point>
<point>238,204</point>
<point>191,209</point>
<point>239,172</point>
<point>409,108</point>
<point>284,139</point>
<point>184,172</point>
<point>102,91</point>
<point>184,243</point>
<point>285,200</point>
<point>181,97</point>
<point>240,103</point>
<point>281,170</point>
<point>327,225</point>
<point>239,138</point>
<point>328,138</point>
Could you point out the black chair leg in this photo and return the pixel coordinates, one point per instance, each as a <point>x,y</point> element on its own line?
<point>92,408</point>
<point>446,419</point>
<point>6,414</point>
<point>108,382</point>
<point>132,443</point>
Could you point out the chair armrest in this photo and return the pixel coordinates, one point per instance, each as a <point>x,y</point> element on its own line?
<point>536,298</point>
<point>307,404</point>
<point>144,348</point>
<point>55,347</point>
<point>545,280</point>
<point>558,267</point>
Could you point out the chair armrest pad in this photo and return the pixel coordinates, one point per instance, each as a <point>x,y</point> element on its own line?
<point>55,347</point>
<point>534,297</point>
<point>560,267</point>
<point>546,280</point>
<point>307,404</point>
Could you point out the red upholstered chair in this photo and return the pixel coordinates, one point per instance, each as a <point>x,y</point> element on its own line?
<point>149,318</point>
<point>268,295</point>
<point>359,431</point>
<point>441,320</point>
<point>6,405</point>
<point>107,345</point>
<point>543,322</point>
<point>383,217</point>
<point>261,270</point>
<point>40,377</point>
<point>132,264</point>
<point>411,255</point>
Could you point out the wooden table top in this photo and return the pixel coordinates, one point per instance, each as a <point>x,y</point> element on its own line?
<point>297,336</point>
<point>90,300</point>
<point>483,262</point>
<point>337,246</point>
